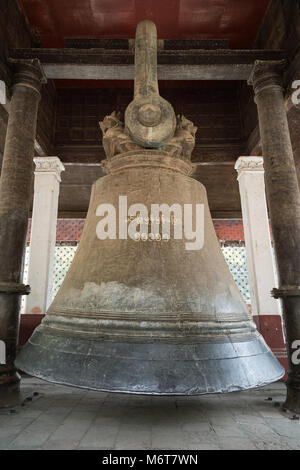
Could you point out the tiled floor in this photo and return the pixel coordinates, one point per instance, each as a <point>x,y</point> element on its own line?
<point>69,418</point>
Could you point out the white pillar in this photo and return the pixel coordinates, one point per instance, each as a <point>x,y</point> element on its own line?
<point>43,233</point>
<point>260,262</point>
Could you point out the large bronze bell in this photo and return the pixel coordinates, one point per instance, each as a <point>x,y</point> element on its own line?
<point>149,313</point>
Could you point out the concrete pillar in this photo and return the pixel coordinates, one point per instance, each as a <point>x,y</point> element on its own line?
<point>261,270</point>
<point>15,195</point>
<point>284,207</point>
<point>43,233</point>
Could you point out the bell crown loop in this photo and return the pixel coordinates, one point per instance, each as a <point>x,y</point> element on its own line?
<point>149,119</point>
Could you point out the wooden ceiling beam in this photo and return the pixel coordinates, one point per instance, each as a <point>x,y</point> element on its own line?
<point>104,64</point>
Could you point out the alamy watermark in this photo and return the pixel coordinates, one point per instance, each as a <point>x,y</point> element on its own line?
<point>2,352</point>
<point>2,92</point>
<point>295,359</point>
<point>296,93</point>
<point>136,223</point>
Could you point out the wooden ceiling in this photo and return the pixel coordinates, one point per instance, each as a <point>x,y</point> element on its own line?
<point>235,20</point>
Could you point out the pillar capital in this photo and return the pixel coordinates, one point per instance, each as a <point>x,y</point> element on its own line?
<point>51,165</point>
<point>28,73</point>
<point>249,164</point>
<point>266,75</point>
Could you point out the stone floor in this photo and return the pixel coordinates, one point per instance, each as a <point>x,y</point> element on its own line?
<point>70,418</point>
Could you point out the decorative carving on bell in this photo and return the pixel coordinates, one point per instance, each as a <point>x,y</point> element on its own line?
<point>148,315</point>
<point>117,141</point>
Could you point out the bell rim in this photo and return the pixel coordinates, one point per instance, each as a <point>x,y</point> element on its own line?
<point>135,368</point>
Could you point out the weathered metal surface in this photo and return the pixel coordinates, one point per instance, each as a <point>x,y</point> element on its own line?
<point>149,317</point>
<point>149,368</point>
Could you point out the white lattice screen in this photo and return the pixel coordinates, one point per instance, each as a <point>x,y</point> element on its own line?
<point>64,255</point>
<point>235,257</point>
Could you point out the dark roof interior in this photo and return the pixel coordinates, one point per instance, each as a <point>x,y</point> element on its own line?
<point>235,20</point>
